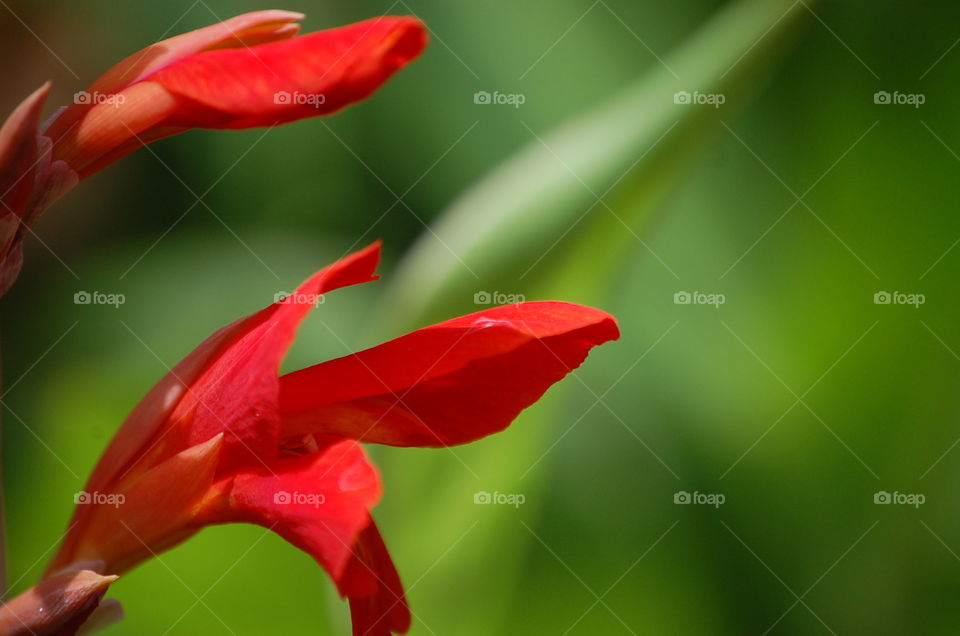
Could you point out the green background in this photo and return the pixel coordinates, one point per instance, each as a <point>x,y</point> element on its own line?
<point>797,399</point>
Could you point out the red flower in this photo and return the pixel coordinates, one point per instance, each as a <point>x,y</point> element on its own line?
<point>223,439</point>
<point>245,72</point>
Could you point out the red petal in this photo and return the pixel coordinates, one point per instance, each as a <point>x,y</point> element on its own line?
<point>95,135</point>
<point>248,29</point>
<point>19,154</point>
<point>227,385</point>
<point>128,525</point>
<point>318,502</point>
<point>242,31</point>
<point>18,163</point>
<point>386,611</point>
<point>242,88</point>
<point>447,384</point>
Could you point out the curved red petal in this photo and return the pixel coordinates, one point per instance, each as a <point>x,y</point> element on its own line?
<point>447,384</point>
<point>19,155</point>
<point>319,502</point>
<point>99,134</point>
<point>126,525</point>
<point>227,385</point>
<point>248,29</point>
<point>386,611</point>
<point>19,152</point>
<point>315,74</point>
<point>242,87</point>
<point>242,31</point>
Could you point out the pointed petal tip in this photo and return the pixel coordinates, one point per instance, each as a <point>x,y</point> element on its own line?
<point>407,41</point>
<point>460,380</point>
<point>42,92</point>
<point>551,317</point>
<point>28,111</point>
<point>92,582</point>
<point>372,251</point>
<point>279,15</point>
<point>266,16</point>
<point>57,605</point>
<point>19,156</point>
<point>354,269</point>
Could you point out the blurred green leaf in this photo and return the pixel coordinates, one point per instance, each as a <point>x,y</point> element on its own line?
<point>636,146</point>
<point>640,140</point>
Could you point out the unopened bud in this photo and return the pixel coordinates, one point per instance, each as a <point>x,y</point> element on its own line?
<point>57,605</point>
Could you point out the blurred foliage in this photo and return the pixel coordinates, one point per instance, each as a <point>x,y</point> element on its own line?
<point>694,398</point>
